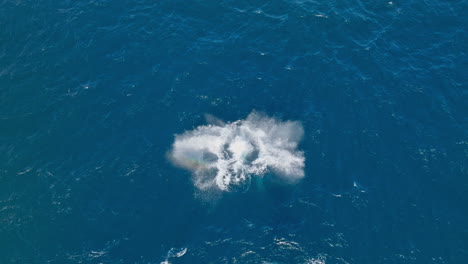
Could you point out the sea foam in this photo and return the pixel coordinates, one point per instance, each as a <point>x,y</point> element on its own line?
<point>227,155</point>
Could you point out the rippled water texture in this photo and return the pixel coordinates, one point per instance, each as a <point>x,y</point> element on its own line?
<point>95,95</point>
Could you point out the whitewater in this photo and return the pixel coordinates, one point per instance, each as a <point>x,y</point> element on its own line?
<point>227,155</point>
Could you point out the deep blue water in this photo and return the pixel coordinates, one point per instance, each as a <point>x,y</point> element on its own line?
<point>92,93</point>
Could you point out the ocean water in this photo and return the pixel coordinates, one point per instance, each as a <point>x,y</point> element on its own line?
<point>207,131</point>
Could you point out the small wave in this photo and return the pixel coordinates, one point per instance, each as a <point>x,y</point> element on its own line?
<point>227,155</point>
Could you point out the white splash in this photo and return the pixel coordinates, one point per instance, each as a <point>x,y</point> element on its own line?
<point>225,155</point>
<point>174,253</point>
